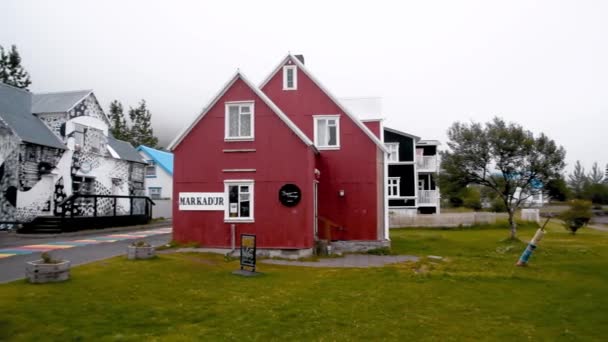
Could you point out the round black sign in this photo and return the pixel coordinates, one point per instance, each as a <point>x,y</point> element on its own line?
<point>290,195</point>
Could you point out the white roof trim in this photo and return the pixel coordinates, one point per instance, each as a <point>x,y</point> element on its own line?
<point>333,98</point>
<point>260,94</point>
<point>392,130</point>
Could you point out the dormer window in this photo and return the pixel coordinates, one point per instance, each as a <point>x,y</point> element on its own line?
<point>290,77</point>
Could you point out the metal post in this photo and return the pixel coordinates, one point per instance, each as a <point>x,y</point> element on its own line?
<point>95,206</point>
<point>114,206</point>
<point>131,206</point>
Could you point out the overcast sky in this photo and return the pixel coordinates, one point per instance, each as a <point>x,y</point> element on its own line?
<point>543,64</point>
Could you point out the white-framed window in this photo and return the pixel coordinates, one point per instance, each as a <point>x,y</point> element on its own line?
<point>155,193</point>
<point>151,169</point>
<point>290,77</point>
<point>393,152</point>
<point>239,120</point>
<point>393,186</point>
<point>327,132</point>
<point>240,200</point>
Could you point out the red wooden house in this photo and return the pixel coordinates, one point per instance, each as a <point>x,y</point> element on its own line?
<point>285,161</point>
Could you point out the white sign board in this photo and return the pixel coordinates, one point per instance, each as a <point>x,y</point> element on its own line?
<point>202,201</point>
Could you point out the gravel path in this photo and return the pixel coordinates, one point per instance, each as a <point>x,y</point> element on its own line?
<point>349,260</point>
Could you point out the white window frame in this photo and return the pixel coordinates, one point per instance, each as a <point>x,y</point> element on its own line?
<point>390,184</point>
<point>160,192</point>
<point>295,77</point>
<point>393,148</point>
<point>239,182</point>
<point>240,104</point>
<point>317,118</point>
<point>151,164</point>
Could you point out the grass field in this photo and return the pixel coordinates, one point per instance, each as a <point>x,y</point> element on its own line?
<point>476,293</point>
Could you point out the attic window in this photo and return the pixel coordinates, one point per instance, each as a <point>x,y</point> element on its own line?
<point>290,77</point>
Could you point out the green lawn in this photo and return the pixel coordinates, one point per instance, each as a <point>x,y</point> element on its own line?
<point>476,294</point>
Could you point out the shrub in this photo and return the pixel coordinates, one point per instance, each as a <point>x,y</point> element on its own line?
<point>577,216</point>
<point>380,251</point>
<point>471,198</point>
<point>48,259</point>
<point>499,206</point>
<point>140,243</point>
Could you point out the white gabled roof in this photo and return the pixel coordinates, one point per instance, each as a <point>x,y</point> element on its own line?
<point>261,95</point>
<point>357,122</point>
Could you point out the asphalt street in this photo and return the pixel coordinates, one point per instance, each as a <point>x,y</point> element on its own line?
<point>13,268</point>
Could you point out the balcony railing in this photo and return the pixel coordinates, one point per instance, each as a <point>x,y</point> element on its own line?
<point>428,197</point>
<point>426,163</point>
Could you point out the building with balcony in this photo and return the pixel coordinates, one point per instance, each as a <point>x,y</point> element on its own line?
<point>413,165</point>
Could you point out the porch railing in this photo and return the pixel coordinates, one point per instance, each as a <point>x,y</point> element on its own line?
<point>428,197</point>
<point>84,205</point>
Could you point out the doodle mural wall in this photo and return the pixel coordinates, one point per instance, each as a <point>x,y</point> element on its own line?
<point>35,180</point>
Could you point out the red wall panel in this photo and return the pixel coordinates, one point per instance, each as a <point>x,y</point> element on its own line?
<point>353,168</point>
<point>280,157</point>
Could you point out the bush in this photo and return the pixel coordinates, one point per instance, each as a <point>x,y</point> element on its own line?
<point>140,243</point>
<point>471,198</point>
<point>48,259</point>
<point>498,206</point>
<point>577,216</point>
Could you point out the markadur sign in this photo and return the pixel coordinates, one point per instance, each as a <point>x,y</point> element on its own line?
<point>202,201</point>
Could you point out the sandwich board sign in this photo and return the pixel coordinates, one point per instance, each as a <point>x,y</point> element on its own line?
<point>248,251</point>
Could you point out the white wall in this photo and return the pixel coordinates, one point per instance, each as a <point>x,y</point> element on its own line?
<point>162,180</point>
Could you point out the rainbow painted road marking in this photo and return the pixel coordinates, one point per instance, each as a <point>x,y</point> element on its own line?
<point>51,246</point>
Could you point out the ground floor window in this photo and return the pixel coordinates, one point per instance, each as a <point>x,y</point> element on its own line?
<point>393,187</point>
<point>155,193</point>
<point>240,200</point>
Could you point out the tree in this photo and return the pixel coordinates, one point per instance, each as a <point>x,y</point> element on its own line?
<point>577,216</point>
<point>557,189</point>
<point>503,157</point>
<point>577,180</point>
<point>596,176</point>
<point>119,128</point>
<point>141,132</point>
<point>11,71</point>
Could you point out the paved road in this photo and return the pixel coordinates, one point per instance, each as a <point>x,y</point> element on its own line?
<point>13,267</point>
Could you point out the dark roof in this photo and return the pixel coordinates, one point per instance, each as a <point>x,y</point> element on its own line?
<point>125,150</point>
<point>392,130</point>
<point>57,102</point>
<point>162,158</point>
<point>15,111</point>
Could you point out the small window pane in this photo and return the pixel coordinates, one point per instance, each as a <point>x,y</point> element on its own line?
<point>332,136</point>
<point>245,125</point>
<point>233,121</point>
<point>322,132</point>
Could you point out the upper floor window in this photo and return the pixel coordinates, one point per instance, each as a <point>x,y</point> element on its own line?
<point>239,120</point>
<point>150,169</point>
<point>393,152</point>
<point>327,131</point>
<point>155,193</point>
<point>290,77</point>
<point>393,186</point>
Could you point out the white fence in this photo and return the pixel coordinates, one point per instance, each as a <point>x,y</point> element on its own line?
<point>404,219</point>
<point>162,208</point>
